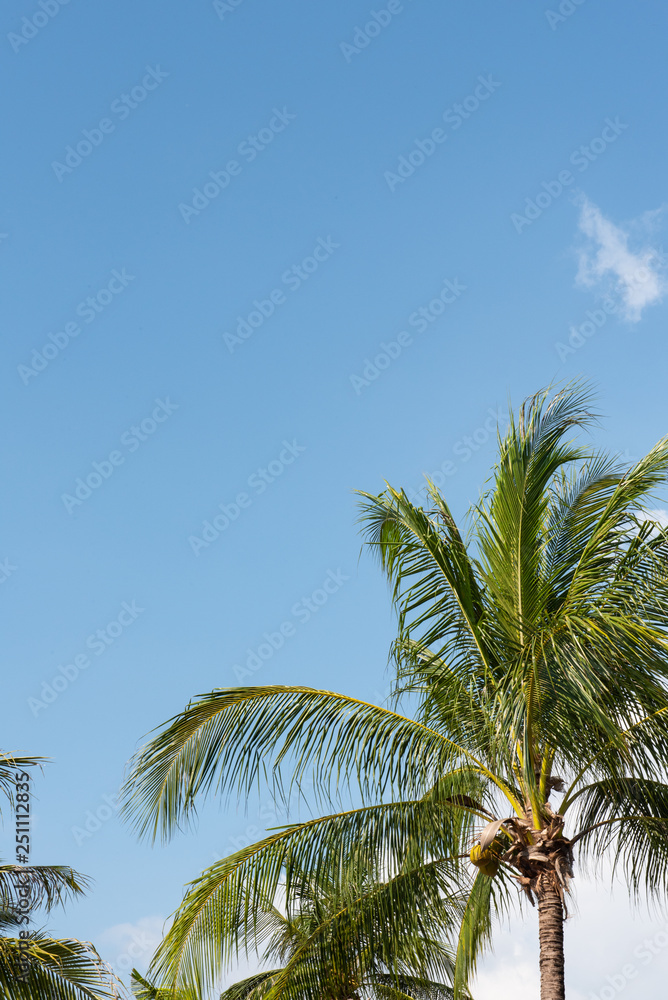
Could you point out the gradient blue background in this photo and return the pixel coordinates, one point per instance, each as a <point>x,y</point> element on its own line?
<point>323,176</point>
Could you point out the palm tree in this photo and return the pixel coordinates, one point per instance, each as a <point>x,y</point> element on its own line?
<point>50,968</point>
<point>535,653</point>
<point>342,936</point>
<point>32,963</point>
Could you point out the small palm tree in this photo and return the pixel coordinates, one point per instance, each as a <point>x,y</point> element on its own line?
<point>142,989</point>
<point>342,936</point>
<point>536,656</point>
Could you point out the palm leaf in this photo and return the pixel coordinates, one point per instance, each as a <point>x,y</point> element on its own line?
<point>53,970</point>
<point>225,739</point>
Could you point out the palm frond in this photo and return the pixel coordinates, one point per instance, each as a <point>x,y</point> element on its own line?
<point>626,818</point>
<point>488,897</point>
<point>405,987</point>
<point>33,886</point>
<point>53,969</point>
<point>142,989</point>
<point>228,908</point>
<point>11,767</point>
<point>226,739</point>
<point>253,987</point>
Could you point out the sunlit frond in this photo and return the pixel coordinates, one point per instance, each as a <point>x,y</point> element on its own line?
<point>226,740</point>
<point>39,886</point>
<point>52,969</point>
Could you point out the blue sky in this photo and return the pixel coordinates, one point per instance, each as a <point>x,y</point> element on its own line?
<point>223,222</point>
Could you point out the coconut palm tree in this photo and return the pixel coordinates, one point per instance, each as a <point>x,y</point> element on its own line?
<point>535,655</point>
<point>32,963</point>
<point>49,968</point>
<point>340,936</point>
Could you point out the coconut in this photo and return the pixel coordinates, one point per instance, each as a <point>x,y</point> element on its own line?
<point>488,860</point>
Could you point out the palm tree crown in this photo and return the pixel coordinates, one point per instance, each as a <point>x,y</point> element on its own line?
<point>536,649</point>
<point>32,963</point>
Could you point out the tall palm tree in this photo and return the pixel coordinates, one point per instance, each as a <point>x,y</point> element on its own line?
<point>536,653</point>
<point>341,936</point>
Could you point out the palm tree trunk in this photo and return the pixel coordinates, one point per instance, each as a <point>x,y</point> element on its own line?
<point>551,940</point>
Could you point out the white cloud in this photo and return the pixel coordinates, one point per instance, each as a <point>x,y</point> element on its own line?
<point>508,979</point>
<point>606,262</point>
<point>613,951</point>
<point>242,969</point>
<point>129,946</point>
<point>660,516</point>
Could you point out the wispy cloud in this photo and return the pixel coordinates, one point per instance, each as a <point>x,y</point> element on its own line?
<point>660,516</point>
<point>127,946</point>
<point>606,262</point>
<point>132,945</point>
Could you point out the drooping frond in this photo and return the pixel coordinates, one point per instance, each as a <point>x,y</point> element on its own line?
<point>226,740</point>
<point>488,897</point>
<point>52,969</point>
<point>367,928</point>
<point>142,989</point>
<point>12,769</point>
<point>404,987</point>
<point>228,909</point>
<point>626,818</point>
<point>253,988</point>
<point>39,886</point>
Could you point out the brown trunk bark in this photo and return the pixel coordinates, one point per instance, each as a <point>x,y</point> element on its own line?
<point>551,939</point>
